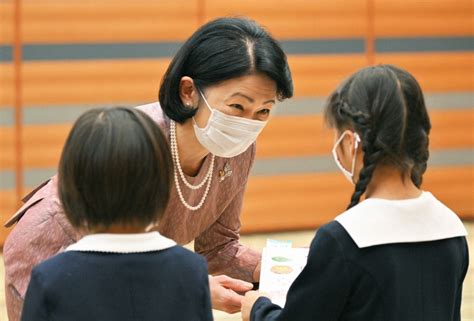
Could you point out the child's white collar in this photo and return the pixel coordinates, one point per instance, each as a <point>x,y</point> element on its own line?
<point>122,243</point>
<point>380,221</point>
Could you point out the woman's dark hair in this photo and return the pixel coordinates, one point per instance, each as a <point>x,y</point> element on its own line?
<point>115,169</point>
<point>384,105</point>
<point>220,50</point>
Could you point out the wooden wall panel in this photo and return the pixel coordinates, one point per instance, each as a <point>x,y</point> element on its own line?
<point>93,82</point>
<point>453,186</point>
<point>6,13</point>
<point>6,84</point>
<point>436,72</point>
<point>285,136</point>
<point>318,75</point>
<point>103,81</point>
<point>297,202</point>
<point>143,20</point>
<point>298,19</point>
<point>8,205</point>
<point>7,156</point>
<point>452,129</point>
<point>42,145</point>
<point>310,200</point>
<point>293,136</point>
<point>59,21</point>
<point>289,136</point>
<point>395,18</point>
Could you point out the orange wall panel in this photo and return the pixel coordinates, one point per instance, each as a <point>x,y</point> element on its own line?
<point>285,136</point>
<point>310,200</point>
<point>436,72</point>
<point>59,21</point>
<point>319,75</point>
<point>307,135</point>
<point>6,22</point>
<point>395,18</point>
<point>6,84</point>
<point>93,82</point>
<point>298,19</point>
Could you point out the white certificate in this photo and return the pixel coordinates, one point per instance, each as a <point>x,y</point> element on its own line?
<point>281,264</point>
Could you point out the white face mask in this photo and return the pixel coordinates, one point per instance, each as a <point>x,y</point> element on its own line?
<point>347,174</point>
<point>227,136</point>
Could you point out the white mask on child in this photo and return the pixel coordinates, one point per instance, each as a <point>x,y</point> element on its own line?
<point>349,175</point>
<point>227,136</point>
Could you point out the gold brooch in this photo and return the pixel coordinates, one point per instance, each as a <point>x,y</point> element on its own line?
<point>226,172</point>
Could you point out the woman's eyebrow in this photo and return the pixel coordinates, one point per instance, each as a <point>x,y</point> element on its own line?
<point>269,101</point>
<point>250,99</point>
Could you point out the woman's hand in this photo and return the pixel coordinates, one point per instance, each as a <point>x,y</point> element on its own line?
<point>225,293</point>
<point>247,303</point>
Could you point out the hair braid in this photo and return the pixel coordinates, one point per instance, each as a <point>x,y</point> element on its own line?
<point>418,125</point>
<point>420,158</point>
<point>372,156</point>
<point>372,152</point>
<point>360,119</point>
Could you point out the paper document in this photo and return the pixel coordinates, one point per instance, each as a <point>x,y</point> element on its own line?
<point>281,264</point>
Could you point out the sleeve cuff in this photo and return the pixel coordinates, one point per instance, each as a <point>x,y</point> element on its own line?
<point>264,309</point>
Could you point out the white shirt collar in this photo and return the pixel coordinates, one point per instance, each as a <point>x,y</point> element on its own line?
<point>380,221</point>
<point>122,243</point>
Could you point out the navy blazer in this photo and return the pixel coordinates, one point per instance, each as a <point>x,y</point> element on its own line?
<point>390,282</point>
<point>166,285</point>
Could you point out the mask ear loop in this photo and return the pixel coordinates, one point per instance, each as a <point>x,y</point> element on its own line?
<point>205,100</point>
<point>338,162</point>
<point>334,153</point>
<point>208,106</point>
<point>356,145</point>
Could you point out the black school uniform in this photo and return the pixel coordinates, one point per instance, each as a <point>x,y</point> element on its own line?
<point>120,277</point>
<point>382,260</point>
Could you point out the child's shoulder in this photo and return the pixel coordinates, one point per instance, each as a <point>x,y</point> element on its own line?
<point>180,252</point>
<point>54,269</point>
<point>177,257</point>
<point>56,262</point>
<point>69,263</point>
<point>334,232</point>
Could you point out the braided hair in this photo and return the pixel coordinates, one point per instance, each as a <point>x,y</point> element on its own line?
<point>384,105</point>
<point>418,125</point>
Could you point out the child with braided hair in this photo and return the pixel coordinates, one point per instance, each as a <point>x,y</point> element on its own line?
<point>397,255</point>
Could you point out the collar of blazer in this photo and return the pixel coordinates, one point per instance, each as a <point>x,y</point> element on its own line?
<point>122,243</point>
<point>380,221</point>
<point>35,196</point>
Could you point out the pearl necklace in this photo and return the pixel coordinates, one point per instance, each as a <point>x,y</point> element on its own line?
<point>178,169</point>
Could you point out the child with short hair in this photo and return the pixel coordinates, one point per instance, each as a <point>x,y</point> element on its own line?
<point>400,254</point>
<point>114,182</point>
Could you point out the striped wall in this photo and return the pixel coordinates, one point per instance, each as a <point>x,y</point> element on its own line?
<point>81,54</point>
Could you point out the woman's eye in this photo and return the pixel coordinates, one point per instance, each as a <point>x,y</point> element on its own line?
<point>237,106</point>
<point>264,111</point>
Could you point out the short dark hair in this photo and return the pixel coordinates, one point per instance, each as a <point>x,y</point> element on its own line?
<point>220,50</point>
<point>115,169</point>
<point>384,104</point>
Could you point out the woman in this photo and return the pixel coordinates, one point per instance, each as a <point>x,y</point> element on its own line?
<point>215,98</point>
<point>400,254</point>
